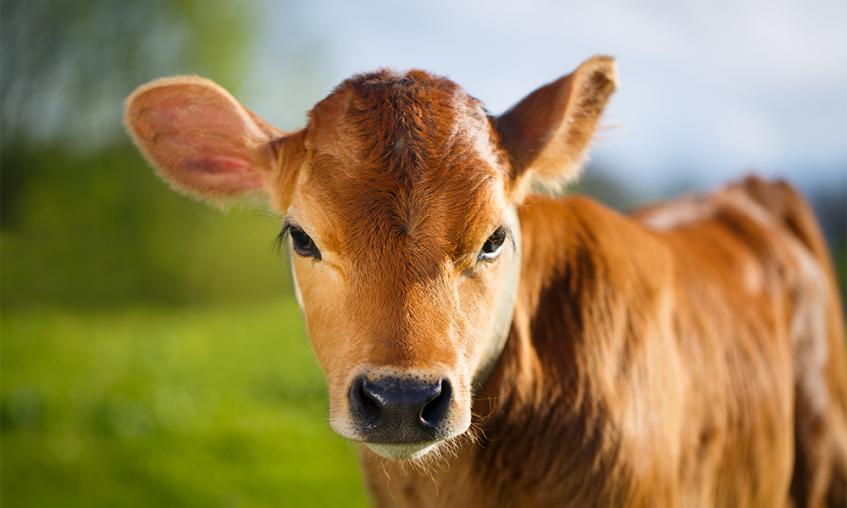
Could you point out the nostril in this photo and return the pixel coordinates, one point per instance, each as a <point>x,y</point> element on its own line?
<point>435,411</point>
<point>364,402</point>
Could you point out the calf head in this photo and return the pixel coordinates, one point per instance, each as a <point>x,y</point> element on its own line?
<point>399,203</point>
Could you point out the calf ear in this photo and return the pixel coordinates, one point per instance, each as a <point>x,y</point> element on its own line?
<point>547,134</point>
<point>200,139</point>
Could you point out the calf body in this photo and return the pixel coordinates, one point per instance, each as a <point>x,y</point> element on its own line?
<point>656,360</point>
<point>489,347</point>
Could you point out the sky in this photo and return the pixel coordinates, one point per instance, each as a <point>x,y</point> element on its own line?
<point>709,90</point>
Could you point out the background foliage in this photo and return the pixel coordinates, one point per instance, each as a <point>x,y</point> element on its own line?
<point>150,353</point>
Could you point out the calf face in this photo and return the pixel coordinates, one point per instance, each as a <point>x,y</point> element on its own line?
<point>399,202</point>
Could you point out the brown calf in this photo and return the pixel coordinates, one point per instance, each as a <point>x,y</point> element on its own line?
<point>494,348</point>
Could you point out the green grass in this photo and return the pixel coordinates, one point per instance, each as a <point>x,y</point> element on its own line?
<point>167,407</point>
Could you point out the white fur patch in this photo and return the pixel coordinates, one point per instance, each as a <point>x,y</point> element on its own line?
<point>473,123</point>
<point>508,294</point>
<point>297,293</point>
<point>808,330</point>
<point>678,212</point>
<point>401,451</point>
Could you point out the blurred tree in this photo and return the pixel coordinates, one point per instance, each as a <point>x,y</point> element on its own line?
<point>83,219</point>
<point>596,182</point>
<point>67,66</point>
<point>830,203</point>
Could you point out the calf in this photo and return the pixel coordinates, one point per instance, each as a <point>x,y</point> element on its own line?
<point>492,347</point>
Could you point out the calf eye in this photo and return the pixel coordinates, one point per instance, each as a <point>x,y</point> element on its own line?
<point>302,243</point>
<point>491,247</point>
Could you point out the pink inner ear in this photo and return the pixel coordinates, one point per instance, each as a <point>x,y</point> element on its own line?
<point>222,171</point>
<point>200,138</point>
<point>217,164</point>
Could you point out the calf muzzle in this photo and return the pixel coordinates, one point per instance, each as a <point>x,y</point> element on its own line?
<point>394,410</point>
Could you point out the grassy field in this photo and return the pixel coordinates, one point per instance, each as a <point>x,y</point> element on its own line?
<point>167,407</point>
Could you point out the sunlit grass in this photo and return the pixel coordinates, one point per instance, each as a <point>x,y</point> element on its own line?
<point>167,407</point>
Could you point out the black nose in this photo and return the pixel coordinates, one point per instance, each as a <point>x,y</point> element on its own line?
<point>393,410</point>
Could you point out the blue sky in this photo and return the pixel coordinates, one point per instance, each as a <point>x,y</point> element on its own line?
<point>708,89</point>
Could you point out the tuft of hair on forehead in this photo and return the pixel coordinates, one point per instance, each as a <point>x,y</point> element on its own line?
<point>402,121</point>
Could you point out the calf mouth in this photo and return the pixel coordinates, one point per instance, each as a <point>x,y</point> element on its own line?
<point>402,451</point>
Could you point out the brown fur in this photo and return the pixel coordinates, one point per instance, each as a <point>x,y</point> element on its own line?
<point>691,354</point>
<point>649,376</point>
